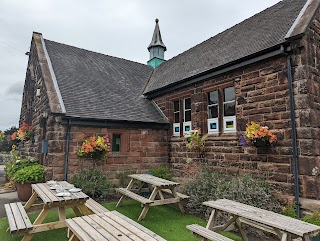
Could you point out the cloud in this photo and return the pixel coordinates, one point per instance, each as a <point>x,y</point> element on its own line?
<point>119,28</point>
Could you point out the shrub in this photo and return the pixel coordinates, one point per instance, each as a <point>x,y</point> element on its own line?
<point>29,174</point>
<point>124,179</point>
<point>92,182</point>
<point>314,218</point>
<point>162,172</point>
<point>12,168</point>
<point>245,189</point>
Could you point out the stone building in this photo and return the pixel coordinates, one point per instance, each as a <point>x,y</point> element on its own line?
<point>240,75</point>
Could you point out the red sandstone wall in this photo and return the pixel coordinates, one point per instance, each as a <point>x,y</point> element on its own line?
<point>261,96</point>
<point>141,150</point>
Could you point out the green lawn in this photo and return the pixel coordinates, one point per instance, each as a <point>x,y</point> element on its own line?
<point>167,221</point>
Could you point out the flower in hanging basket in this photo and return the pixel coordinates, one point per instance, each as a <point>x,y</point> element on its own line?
<point>259,135</point>
<point>24,133</point>
<point>96,147</point>
<point>195,141</point>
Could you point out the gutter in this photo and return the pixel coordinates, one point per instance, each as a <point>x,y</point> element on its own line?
<point>294,137</point>
<point>66,160</point>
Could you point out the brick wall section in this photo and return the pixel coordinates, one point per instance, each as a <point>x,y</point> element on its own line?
<point>141,150</point>
<point>262,96</point>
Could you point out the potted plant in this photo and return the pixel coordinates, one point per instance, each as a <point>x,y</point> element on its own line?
<point>257,135</point>
<point>25,177</point>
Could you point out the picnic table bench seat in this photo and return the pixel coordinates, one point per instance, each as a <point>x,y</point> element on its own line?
<point>18,219</point>
<point>95,207</point>
<point>180,195</point>
<point>206,233</point>
<point>134,196</point>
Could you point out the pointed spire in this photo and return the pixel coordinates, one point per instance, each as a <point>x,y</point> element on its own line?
<point>156,38</point>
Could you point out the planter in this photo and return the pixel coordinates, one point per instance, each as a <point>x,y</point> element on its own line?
<point>24,191</point>
<point>261,143</point>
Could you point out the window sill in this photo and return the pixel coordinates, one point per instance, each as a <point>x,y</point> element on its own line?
<point>213,136</point>
<point>117,155</point>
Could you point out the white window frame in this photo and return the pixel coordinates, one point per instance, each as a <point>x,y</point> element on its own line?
<point>176,124</point>
<point>229,118</point>
<point>213,120</point>
<point>186,123</point>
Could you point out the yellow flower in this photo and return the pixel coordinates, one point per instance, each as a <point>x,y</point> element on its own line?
<point>13,147</point>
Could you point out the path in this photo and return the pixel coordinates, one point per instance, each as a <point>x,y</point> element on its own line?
<point>5,197</point>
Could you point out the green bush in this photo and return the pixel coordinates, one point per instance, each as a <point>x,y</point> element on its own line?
<point>92,182</point>
<point>124,179</point>
<point>29,174</point>
<point>314,218</point>
<point>244,189</point>
<point>12,168</point>
<point>162,172</point>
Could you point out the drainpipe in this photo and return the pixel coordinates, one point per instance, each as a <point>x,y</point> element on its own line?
<point>294,137</point>
<point>66,160</point>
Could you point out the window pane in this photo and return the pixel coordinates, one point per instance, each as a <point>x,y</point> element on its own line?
<point>213,112</point>
<point>176,118</point>
<point>116,142</point>
<point>230,109</point>
<point>213,126</point>
<point>229,94</point>
<point>187,103</point>
<point>176,105</point>
<point>213,98</point>
<point>187,116</point>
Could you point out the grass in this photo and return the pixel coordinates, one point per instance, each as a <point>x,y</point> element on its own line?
<point>167,221</point>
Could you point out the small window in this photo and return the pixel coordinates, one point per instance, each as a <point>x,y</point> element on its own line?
<point>213,112</point>
<point>116,140</point>
<point>229,109</point>
<point>176,117</point>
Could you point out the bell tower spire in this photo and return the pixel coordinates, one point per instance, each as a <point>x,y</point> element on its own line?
<point>156,48</point>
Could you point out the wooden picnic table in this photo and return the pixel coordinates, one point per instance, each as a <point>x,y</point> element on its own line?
<point>111,226</point>
<point>284,227</point>
<point>50,202</point>
<point>156,186</point>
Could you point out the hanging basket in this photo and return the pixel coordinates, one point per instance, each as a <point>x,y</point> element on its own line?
<point>261,143</point>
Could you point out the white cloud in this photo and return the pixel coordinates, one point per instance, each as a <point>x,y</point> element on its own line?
<point>120,28</point>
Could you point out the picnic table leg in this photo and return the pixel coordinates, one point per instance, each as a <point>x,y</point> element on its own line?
<point>39,220</point>
<point>174,192</point>
<point>31,200</point>
<point>306,238</point>
<point>84,209</point>
<point>241,230</point>
<point>76,211</point>
<point>284,236</point>
<point>146,207</point>
<point>123,196</point>
<point>27,237</point>
<point>212,219</point>
<point>62,213</point>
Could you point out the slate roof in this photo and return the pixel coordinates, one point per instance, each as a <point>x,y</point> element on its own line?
<point>99,86</point>
<point>260,32</point>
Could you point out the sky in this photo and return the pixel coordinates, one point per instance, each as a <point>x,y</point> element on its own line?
<point>121,28</point>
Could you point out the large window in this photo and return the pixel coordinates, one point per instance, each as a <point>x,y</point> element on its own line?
<point>222,99</point>
<point>176,113</point>
<point>229,109</point>
<point>213,112</point>
<point>186,116</point>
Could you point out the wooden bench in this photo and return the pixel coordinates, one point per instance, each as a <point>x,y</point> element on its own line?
<point>180,195</point>
<point>95,207</point>
<point>206,233</point>
<point>18,219</point>
<point>134,196</point>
